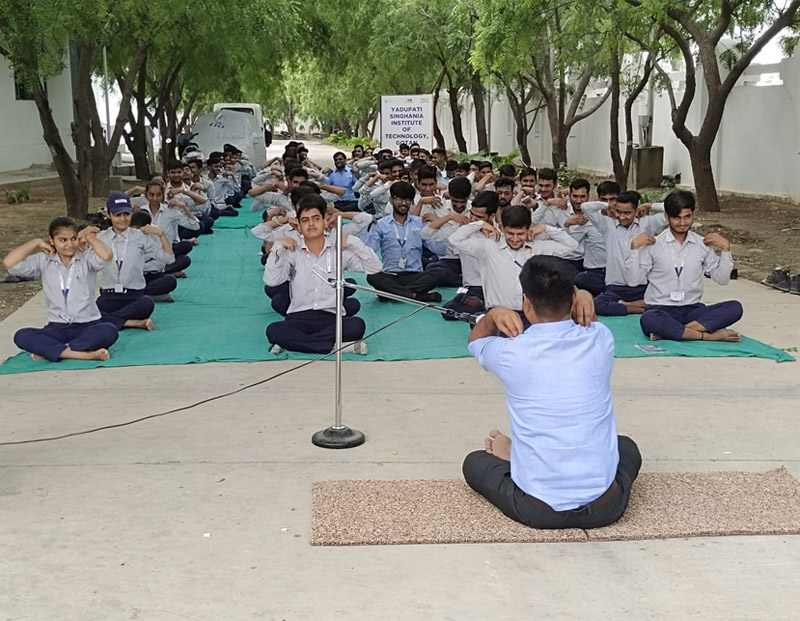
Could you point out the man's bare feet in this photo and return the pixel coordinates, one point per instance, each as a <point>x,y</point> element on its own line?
<point>143,324</point>
<point>723,335</point>
<point>693,325</point>
<point>193,241</point>
<point>97,354</point>
<point>179,274</point>
<point>654,337</point>
<point>634,308</point>
<point>498,444</point>
<point>37,357</point>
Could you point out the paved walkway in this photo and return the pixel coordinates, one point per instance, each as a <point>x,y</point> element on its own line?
<point>205,514</point>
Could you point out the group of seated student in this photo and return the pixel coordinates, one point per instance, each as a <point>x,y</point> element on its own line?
<point>138,257</point>
<point>467,226</point>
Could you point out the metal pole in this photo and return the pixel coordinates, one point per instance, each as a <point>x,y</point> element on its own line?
<point>338,436</point>
<point>339,302</point>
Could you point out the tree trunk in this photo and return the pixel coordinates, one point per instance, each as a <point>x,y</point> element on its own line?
<point>437,131</point>
<point>82,126</point>
<point>346,128</point>
<point>75,195</point>
<point>700,157</point>
<point>455,112</point>
<point>620,174</point>
<point>479,100</point>
<point>559,150</point>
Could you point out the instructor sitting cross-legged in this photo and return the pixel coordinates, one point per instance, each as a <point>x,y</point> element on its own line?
<point>564,465</point>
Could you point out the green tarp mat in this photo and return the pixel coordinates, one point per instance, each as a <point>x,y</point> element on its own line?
<point>221,314</point>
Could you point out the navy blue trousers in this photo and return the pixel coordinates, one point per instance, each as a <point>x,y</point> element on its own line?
<point>592,280</point>
<point>281,298</point>
<point>180,264</point>
<point>50,341</point>
<point>313,331</point>
<point>117,308</point>
<point>159,283</point>
<point>668,322</point>
<point>607,303</point>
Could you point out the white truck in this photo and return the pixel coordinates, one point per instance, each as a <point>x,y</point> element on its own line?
<point>238,124</point>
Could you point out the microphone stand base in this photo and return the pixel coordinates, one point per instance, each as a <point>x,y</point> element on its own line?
<point>338,438</point>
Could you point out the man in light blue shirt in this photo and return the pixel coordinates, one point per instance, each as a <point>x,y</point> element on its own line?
<point>399,240</point>
<point>344,176</point>
<point>564,465</point>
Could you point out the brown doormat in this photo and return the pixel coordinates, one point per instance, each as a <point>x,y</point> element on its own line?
<point>662,505</point>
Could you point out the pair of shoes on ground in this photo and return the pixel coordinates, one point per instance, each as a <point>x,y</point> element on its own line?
<point>781,280</point>
<point>353,347</point>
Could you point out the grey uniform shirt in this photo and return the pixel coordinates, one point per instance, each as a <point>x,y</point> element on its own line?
<point>78,279</point>
<point>662,262</point>
<point>308,274</point>
<point>131,249</point>
<point>271,199</point>
<point>470,265</point>
<point>169,219</point>
<point>501,265</point>
<point>618,242</point>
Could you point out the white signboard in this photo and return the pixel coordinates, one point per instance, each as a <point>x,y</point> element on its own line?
<point>406,119</point>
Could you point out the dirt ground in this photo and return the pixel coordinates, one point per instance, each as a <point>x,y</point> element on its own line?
<point>763,233</point>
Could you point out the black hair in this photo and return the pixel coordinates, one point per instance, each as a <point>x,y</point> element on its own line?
<point>217,154</point>
<point>507,170</point>
<point>310,184</point>
<point>174,164</point>
<point>386,165</point>
<point>417,164</point>
<point>504,182</point>
<point>140,218</point>
<point>608,187</point>
<point>151,184</point>
<point>548,283</point>
<point>450,165</point>
<point>547,174</point>
<point>578,184</point>
<point>629,197</point>
<point>414,144</point>
<point>338,153</point>
<point>402,146</point>
<point>289,163</point>
<point>298,171</point>
<point>212,160</point>
<point>487,199</point>
<point>311,201</point>
<point>527,172</point>
<point>427,172</point>
<point>460,188</point>
<point>395,162</point>
<point>300,192</point>
<point>401,189</point>
<point>475,163</point>
<point>289,153</point>
<point>463,166</point>
<point>516,217</point>
<point>485,164</point>
<point>677,201</point>
<point>439,151</point>
<point>56,224</point>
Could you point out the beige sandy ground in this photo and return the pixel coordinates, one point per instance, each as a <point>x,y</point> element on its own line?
<point>206,514</point>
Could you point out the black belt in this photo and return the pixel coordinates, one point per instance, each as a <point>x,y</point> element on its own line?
<point>112,291</point>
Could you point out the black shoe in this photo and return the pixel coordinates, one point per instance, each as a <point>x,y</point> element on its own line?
<point>794,286</point>
<point>433,296</point>
<point>15,279</point>
<point>778,279</point>
<point>734,274</point>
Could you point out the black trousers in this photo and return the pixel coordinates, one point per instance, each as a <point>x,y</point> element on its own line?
<point>408,283</point>
<point>490,476</point>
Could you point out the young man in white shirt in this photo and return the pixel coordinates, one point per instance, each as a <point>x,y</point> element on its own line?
<point>564,465</point>
<point>675,263</point>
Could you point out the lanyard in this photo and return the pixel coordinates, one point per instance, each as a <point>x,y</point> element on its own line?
<point>119,259</point>
<point>397,235</point>
<point>513,258</point>
<point>65,286</point>
<point>679,268</point>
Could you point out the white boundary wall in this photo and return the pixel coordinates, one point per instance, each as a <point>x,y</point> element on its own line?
<point>757,150</point>
<point>21,142</point>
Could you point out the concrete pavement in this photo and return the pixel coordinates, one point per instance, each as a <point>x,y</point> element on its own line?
<point>205,514</point>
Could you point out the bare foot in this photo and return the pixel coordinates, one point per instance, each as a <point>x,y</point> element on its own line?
<point>97,354</point>
<point>143,324</point>
<point>654,337</point>
<point>498,444</point>
<point>634,308</point>
<point>693,325</point>
<point>37,357</point>
<point>193,241</point>
<point>179,274</point>
<point>723,335</point>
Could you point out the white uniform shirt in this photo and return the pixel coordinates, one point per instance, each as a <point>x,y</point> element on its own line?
<point>662,262</point>
<point>618,242</point>
<point>131,249</point>
<point>501,265</point>
<point>308,274</point>
<point>168,219</point>
<point>68,290</point>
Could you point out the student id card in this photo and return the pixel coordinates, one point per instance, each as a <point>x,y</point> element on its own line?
<point>118,288</point>
<point>401,263</point>
<point>677,296</point>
